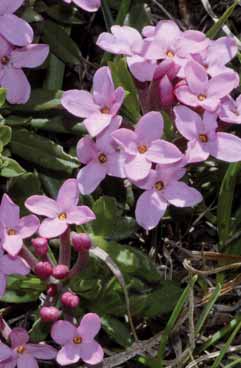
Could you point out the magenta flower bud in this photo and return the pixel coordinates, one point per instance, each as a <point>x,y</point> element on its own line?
<point>43,270</point>
<point>52,290</point>
<point>81,242</point>
<point>60,271</point>
<point>50,314</point>
<point>70,299</point>
<point>40,246</point>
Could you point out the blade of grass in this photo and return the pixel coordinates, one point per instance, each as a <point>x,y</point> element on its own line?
<point>109,21</point>
<point>123,11</point>
<point>233,364</point>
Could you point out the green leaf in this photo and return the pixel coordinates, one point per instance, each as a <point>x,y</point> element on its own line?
<point>61,44</point>
<point>109,21</point>
<point>2,96</point>
<point>40,100</point>
<point>123,78</point>
<point>225,202</point>
<point>10,168</point>
<point>65,14</point>
<point>110,221</point>
<point>117,330</point>
<point>42,151</point>
<point>213,31</point>
<point>39,331</point>
<point>143,19</point>
<point>5,134</point>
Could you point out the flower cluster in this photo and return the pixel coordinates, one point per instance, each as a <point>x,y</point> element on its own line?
<point>17,52</point>
<point>18,256</point>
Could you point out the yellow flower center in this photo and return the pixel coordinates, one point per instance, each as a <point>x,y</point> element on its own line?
<point>142,148</point>
<point>202,97</point>
<point>105,110</point>
<point>77,340</point>
<point>5,60</point>
<point>20,349</point>
<point>203,138</point>
<point>11,232</point>
<point>62,216</point>
<point>170,54</point>
<point>159,185</point>
<point>102,158</point>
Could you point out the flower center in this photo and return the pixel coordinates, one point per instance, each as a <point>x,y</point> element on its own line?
<point>11,232</point>
<point>202,97</point>
<point>203,138</point>
<point>77,340</point>
<point>102,158</point>
<point>5,60</point>
<point>159,185</point>
<point>62,216</point>
<point>105,110</point>
<point>142,148</point>
<point>20,349</point>
<point>170,54</point>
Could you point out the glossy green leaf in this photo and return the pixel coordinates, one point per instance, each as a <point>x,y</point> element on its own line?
<point>10,168</point>
<point>117,330</point>
<point>40,100</point>
<point>23,289</point>
<point>5,134</point>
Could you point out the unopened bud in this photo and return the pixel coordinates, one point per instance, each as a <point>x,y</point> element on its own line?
<point>70,300</point>
<point>40,246</point>
<point>43,270</point>
<point>60,271</point>
<point>50,314</point>
<point>52,290</point>
<point>81,242</point>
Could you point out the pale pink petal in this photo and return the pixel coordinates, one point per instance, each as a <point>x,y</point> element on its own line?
<point>137,168</point>
<point>196,152</point>
<point>149,209</point>
<point>42,205</point>
<point>97,122</point>
<point>3,284</point>
<point>119,97</point>
<point>90,176</point>
<point>166,91</point>
<point>79,103</point>
<point>9,7</point>
<point>9,212</point>
<point>10,363</point>
<point>15,30</point>
<point>210,103</point>
<point>222,50</point>
<point>86,149</point>
<point>103,87</point>
<point>184,95</point>
<point>143,70</point>
<point>69,354</point>
<point>12,244</point>
<point>16,84</point>
<point>42,351</point>
<point>89,327</point>
<point>222,84</point>
<point>16,265</point>
<point>51,228</point>
<point>18,336</point>
<point>68,195</point>
<point>5,47</point>
<point>80,215</point>
<point>149,127</point>
<point>104,141</point>
<point>126,139</point>
<point>26,360</point>
<point>30,56</point>
<point>115,165</point>
<point>187,122</point>
<point>91,353</point>
<point>227,147</point>
<point>88,5</point>
<point>197,78</point>
<point>28,225</point>
<point>192,42</point>
<point>63,332</point>
<point>181,195</point>
<point>5,352</point>
<point>163,152</point>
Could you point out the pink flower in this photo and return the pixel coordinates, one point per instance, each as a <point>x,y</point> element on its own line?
<point>98,108</point>
<point>88,5</point>
<point>161,189</point>
<point>230,110</point>
<point>61,212</point>
<point>202,92</point>
<point>14,229</point>
<point>11,266</point>
<point>12,60</point>
<point>12,28</point>
<point>78,342</point>
<point>144,146</point>
<point>203,138</point>
<point>101,158</point>
<point>22,353</point>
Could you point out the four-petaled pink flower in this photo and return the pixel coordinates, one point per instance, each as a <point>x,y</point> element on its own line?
<point>98,108</point>
<point>199,91</point>
<point>161,189</point>
<point>78,342</point>
<point>87,5</point>
<point>144,146</point>
<point>230,110</point>
<point>14,229</point>
<point>203,138</point>
<point>101,158</point>
<point>11,266</point>
<point>12,28</point>
<point>12,60</point>
<point>61,212</point>
<point>22,353</point>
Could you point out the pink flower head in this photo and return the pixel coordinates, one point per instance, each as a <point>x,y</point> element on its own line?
<point>14,229</point>
<point>12,60</point>
<point>78,342</point>
<point>144,146</point>
<point>22,353</point>
<point>97,108</point>
<point>199,91</point>
<point>87,5</point>
<point>230,110</point>
<point>101,158</point>
<point>11,266</point>
<point>161,189</point>
<point>61,212</point>
<point>203,138</point>
<point>12,28</point>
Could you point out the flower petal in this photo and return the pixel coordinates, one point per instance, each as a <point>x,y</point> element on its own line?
<point>181,195</point>
<point>137,168</point>
<point>222,84</point>
<point>89,326</point>
<point>79,103</point>
<point>30,56</point>
<point>5,352</point>
<point>26,360</point>
<point>86,150</point>
<point>42,205</point>
<point>227,147</point>
<point>97,122</point>
<point>9,7</point>
<point>9,212</point>
<point>51,228</point>
<point>68,195</point>
<point>17,85</point>
<point>3,284</point>
<point>80,215</point>
<point>12,244</point>
<point>63,332</point>
<point>28,225</point>
<point>42,351</point>
<point>184,95</point>
<point>11,266</point>
<point>15,30</point>
<point>149,127</point>
<point>103,87</point>
<point>196,152</point>
<point>91,353</point>
<point>69,354</point>
<point>90,176</point>
<point>163,152</point>
<point>18,336</point>
<point>197,78</point>
<point>187,122</point>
